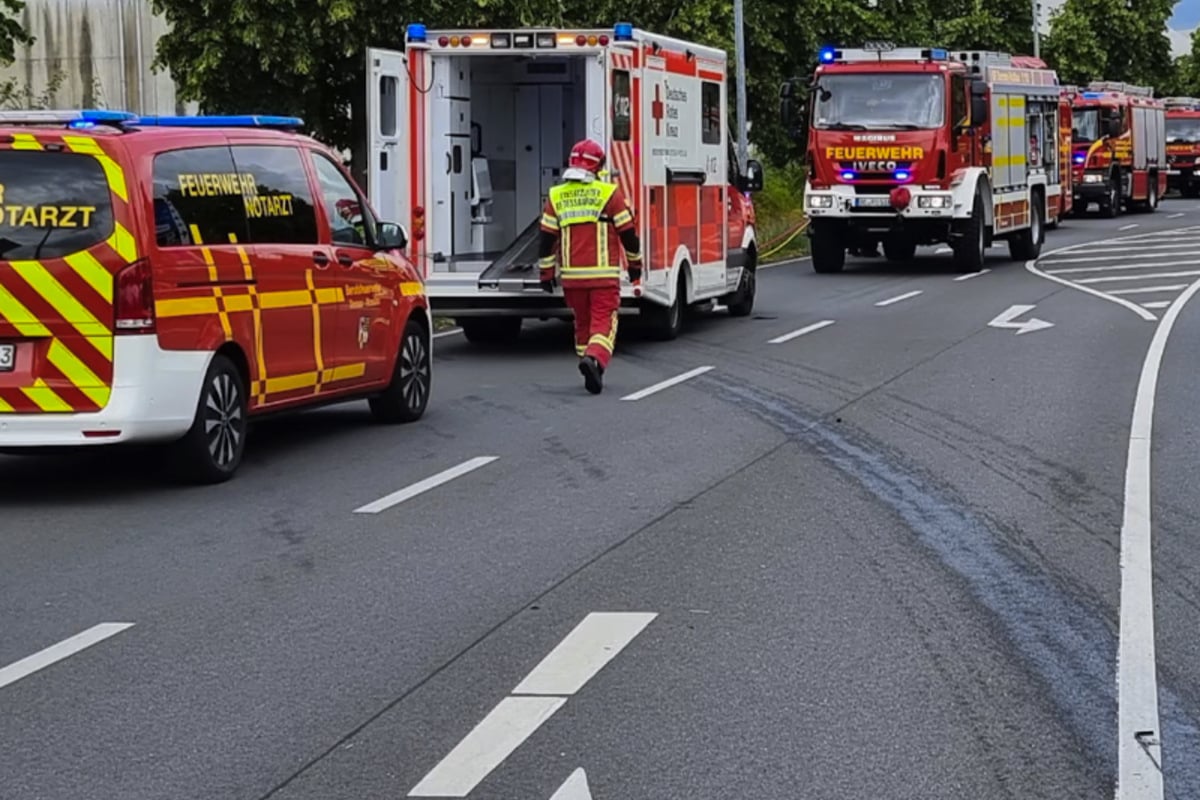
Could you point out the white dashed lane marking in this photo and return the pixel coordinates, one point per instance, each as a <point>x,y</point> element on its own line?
<point>898,298</point>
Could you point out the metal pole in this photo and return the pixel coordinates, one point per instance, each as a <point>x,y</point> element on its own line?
<point>740,39</point>
<point>1036,32</point>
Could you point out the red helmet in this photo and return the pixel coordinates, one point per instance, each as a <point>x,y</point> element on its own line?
<point>588,155</point>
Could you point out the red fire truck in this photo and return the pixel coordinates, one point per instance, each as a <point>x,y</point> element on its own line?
<point>1120,147</point>
<point>918,146</point>
<point>1183,144</point>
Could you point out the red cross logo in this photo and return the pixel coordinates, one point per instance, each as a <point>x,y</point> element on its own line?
<point>657,110</point>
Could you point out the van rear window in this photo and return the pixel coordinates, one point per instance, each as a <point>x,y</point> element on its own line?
<point>51,204</point>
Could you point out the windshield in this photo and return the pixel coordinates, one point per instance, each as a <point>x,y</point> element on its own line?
<point>885,100</point>
<point>51,204</point>
<point>1183,130</point>
<point>1085,125</point>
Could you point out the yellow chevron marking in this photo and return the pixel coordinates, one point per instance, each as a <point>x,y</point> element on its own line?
<point>45,397</point>
<point>305,380</point>
<point>20,317</point>
<point>93,272</point>
<point>25,141</point>
<point>45,284</point>
<point>78,373</point>
<point>116,176</point>
<point>411,289</point>
<point>123,243</point>
<point>5,408</point>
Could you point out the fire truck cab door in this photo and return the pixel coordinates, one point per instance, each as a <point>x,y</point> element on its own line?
<point>389,172</point>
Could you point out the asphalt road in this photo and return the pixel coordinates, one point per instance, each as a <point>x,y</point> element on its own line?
<point>880,558</point>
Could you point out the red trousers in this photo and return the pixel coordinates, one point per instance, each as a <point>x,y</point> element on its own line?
<point>595,311</point>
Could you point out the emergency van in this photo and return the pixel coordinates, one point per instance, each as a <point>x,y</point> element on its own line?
<point>1183,144</point>
<point>916,146</point>
<point>167,279</point>
<point>1120,147</point>
<point>469,129</point>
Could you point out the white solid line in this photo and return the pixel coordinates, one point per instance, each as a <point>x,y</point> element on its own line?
<point>1140,277</point>
<point>1174,216</point>
<point>1128,227</point>
<point>1031,266</point>
<point>1139,776</point>
<point>494,739</point>
<point>409,492</point>
<point>1178,287</point>
<point>783,263</point>
<point>452,332</point>
<point>970,275</point>
<point>1158,304</point>
<point>1118,267</point>
<point>667,384</point>
<point>898,298</point>
<point>595,641</point>
<point>787,337</point>
<point>57,652</point>
<point>1084,249</point>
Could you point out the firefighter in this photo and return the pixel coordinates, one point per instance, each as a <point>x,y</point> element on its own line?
<point>588,222</point>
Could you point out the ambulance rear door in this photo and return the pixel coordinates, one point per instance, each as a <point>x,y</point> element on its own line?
<point>395,174</point>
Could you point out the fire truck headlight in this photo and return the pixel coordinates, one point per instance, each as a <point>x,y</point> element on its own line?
<point>1092,177</point>
<point>934,201</point>
<point>820,201</point>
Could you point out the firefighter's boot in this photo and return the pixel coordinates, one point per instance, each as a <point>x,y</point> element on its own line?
<point>593,374</point>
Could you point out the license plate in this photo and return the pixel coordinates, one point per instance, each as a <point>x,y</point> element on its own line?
<point>8,357</point>
<point>872,202</point>
<point>1172,172</point>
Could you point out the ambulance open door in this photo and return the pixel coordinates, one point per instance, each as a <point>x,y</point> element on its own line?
<point>390,172</point>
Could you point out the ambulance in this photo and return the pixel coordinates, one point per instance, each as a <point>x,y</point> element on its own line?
<point>469,130</point>
<point>913,146</point>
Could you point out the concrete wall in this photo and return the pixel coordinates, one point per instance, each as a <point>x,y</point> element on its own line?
<point>103,50</point>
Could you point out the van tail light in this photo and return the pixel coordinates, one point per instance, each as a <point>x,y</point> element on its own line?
<point>133,300</point>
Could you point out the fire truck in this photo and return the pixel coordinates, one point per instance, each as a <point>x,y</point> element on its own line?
<point>1120,147</point>
<point>469,130</point>
<point>1183,144</point>
<point>919,146</point>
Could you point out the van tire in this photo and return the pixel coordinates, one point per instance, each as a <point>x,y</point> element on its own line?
<point>212,449</point>
<point>741,302</point>
<point>407,396</point>
<point>666,322</point>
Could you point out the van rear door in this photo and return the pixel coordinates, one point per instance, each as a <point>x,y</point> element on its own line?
<point>64,234</point>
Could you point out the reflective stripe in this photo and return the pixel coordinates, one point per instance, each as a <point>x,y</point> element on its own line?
<point>45,397</point>
<point>622,218</point>
<point>123,242</point>
<point>549,222</point>
<point>25,141</point>
<point>19,316</point>
<point>71,310</point>
<point>93,272</point>
<point>602,246</point>
<point>549,262</point>
<point>591,272</point>
<point>78,373</point>
<point>114,173</point>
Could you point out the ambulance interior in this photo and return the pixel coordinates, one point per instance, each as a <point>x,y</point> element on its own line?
<point>502,127</point>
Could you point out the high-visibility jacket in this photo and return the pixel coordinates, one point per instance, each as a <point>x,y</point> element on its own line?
<point>592,222</point>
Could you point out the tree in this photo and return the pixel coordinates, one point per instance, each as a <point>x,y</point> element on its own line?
<point>12,34</point>
<point>1119,40</point>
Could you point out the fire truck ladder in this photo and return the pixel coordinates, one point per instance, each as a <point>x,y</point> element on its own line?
<point>1118,86</point>
<point>1192,103</point>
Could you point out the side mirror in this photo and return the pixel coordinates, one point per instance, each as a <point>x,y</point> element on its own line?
<point>791,109</point>
<point>979,111</point>
<point>752,181</point>
<point>1112,127</point>
<point>391,236</point>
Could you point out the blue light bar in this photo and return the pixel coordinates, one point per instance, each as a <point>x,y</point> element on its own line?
<point>623,32</point>
<point>901,175</point>
<point>827,55</point>
<point>221,121</point>
<point>938,54</point>
<point>847,175</point>
<point>1093,95</point>
<point>416,32</point>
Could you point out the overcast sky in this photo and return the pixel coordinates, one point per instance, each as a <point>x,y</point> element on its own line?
<point>1187,17</point>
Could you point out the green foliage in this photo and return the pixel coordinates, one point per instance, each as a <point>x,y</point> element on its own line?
<point>12,34</point>
<point>1112,40</point>
<point>778,208</point>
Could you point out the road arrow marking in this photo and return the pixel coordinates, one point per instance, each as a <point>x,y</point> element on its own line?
<point>576,787</point>
<point>1005,320</point>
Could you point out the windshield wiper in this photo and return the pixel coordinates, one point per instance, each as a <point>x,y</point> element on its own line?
<point>844,126</point>
<point>902,126</point>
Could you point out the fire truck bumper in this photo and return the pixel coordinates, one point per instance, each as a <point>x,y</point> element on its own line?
<point>843,202</point>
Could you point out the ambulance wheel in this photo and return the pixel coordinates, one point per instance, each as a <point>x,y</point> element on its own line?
<point>212,449</point>
<point>741,302</point>
<point>490,330</point>
<point>665,322</point>
<point>971,248</point>
<point>405,398</point>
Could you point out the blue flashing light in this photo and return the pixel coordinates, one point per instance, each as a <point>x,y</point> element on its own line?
<point>221,121</point>
<point>416,32</point>
<point>1093,95</point>
<point>1080,158</point>
<point>938,54</point>
<point>623,32</point>
<point>828,54</point>
<point>847,175</point>
<point>101,116</point>
<point>901,175</point>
